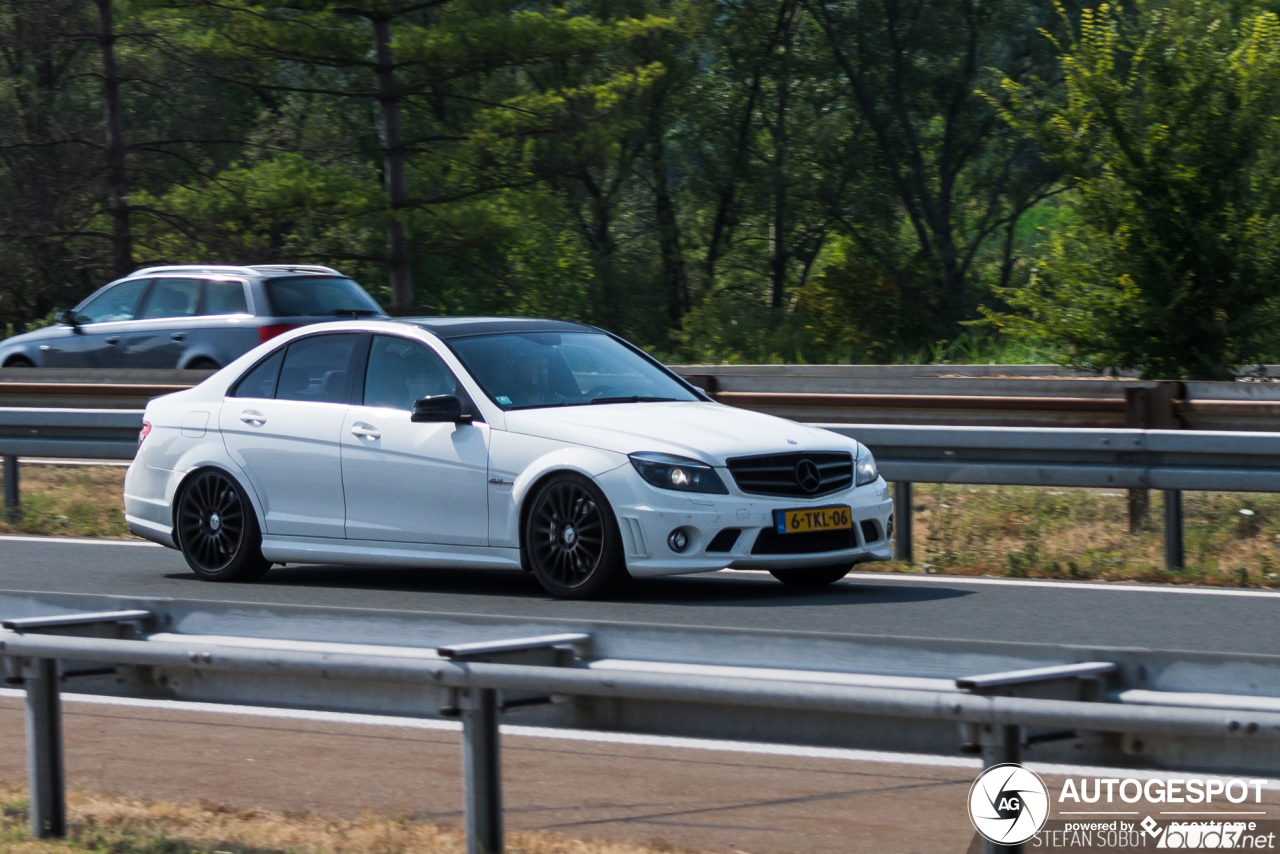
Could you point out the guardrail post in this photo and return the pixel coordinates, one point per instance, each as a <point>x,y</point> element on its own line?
<point>1000,745</point>
<point>902,522</point>
<point>44,749</point>
<point>1173,553</point>
<point>12,499</point>
<point>481,771</point>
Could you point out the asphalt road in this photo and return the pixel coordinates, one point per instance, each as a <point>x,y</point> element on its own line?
<point>1204,620</point>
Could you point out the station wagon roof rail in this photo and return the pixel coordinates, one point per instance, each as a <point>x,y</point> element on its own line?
<point>196,268</point>
<point>293,268</point>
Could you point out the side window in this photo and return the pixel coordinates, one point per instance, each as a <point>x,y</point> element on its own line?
<point>172,298</point>
<point>261,381</point>
<point>117,303</point>
<point>315,369</point>
<point>224,298</point>
<point>402,371</point>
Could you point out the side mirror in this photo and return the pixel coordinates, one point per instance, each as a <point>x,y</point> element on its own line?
<point>439,408</point>
<point>70,318</point>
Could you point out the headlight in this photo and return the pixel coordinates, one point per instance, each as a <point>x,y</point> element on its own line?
<point>683,475</point>
<point>866,468</point>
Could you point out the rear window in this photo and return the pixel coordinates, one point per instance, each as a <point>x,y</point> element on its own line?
<point>319,296</point>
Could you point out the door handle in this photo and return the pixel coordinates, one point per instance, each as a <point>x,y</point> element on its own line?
<point>179,336</point>
<point>253,419</point>
<point>113,340</point>
<point>365,430</point>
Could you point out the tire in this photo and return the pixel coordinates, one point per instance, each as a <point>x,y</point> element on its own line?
<point>571,539</point>
<point>811,576</point>
<point>217,530</point>
<point>19,362</point>
<point>203,365</point>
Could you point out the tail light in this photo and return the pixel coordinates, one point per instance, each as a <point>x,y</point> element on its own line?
<point>266,333</point>
<point>146,428</point>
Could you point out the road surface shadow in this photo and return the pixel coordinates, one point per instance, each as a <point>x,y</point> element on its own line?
<point>710,589</point>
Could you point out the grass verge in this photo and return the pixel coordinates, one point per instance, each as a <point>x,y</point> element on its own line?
<point>70,501</point>
<point>1231,538</point>
<point>119,825</point>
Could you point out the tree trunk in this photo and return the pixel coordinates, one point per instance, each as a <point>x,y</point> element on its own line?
<point>778,230</point>
<point>402,301</point>
<point>676,285</point>
<point>121,236</point>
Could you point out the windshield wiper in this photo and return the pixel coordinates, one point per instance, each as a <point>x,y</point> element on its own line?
<point>354,312</point>
<point>632,398</point>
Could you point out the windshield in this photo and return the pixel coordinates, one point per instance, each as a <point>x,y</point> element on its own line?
<point>527,370</point>
<point>319,296</point>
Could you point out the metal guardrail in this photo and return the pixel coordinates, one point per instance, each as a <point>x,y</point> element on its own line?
<point>1168,460</point>
<point>996,714</point>
<point>95,434</point>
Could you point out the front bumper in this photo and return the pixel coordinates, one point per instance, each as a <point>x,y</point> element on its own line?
<point>647,516</point>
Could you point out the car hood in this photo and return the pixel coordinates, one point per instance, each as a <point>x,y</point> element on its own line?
<point>710,432</point>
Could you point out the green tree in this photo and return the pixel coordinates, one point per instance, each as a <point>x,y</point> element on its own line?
<point>453,85</point>
<point>1168,131</point>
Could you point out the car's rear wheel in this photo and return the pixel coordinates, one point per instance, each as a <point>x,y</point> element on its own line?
<point>203,365</point>
<point>218,530</point>
<point>811,576</point>
<point>571,539</point>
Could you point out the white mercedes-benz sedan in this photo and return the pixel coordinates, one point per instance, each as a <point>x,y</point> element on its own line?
<point>540,445</point>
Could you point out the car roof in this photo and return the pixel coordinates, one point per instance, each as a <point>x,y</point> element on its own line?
<point>462,327</point>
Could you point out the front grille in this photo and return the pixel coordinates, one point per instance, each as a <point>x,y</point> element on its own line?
<point>783,475</point>
<point>770,542</point>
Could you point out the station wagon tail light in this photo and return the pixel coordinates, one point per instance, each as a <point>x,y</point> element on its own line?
<point>146,428</point>
<point>266,333</point>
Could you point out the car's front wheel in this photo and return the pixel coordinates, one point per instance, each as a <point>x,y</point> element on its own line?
<point>811,576</point>
<point>571,539</point>
<point>218,530</point>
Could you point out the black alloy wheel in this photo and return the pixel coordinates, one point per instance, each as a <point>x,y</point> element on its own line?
<point>218,531</point>
<point>811,576</point>
<point>571,539</point>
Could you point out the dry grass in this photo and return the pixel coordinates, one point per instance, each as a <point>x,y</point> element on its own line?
<point>72,501</point>
<point>106,823</point>
<point>1039,532</point>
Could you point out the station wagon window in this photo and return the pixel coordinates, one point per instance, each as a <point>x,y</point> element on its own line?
<point>261,381</point>
<point>316,369</point>
<point>172,298</point>
<point>224,298</point>
<point>116,303</point>
<point>319,296</point>
<point>402,371</point>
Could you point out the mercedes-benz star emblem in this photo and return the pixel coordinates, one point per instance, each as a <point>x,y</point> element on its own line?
<point>807,476</point>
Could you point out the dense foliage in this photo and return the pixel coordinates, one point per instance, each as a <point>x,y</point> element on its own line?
<point>807,180</point>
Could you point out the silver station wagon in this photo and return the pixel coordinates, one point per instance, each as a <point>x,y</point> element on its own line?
<point>188,316</point>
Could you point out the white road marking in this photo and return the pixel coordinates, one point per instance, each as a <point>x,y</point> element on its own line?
<point>1096,586</point>
<point>79,541</point>
<point>715,745</point>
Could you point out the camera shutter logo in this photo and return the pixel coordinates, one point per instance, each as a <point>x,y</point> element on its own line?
<point>1008,804</point>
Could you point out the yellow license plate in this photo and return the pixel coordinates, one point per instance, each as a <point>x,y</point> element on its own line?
<point>812,519</point>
